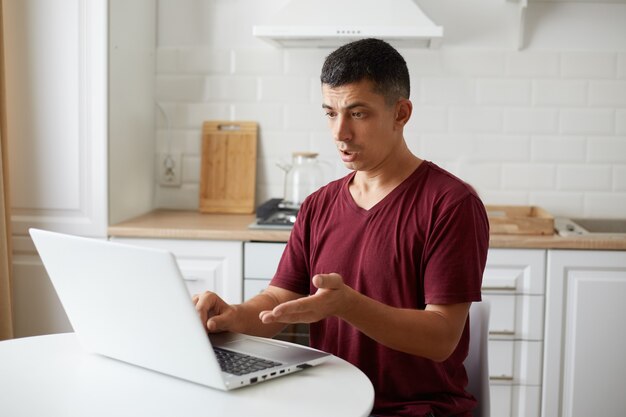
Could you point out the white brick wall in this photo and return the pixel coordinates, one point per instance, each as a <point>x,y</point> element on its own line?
<point>524,127</point>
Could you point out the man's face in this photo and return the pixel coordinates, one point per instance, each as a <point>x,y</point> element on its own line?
<point>363,125</point>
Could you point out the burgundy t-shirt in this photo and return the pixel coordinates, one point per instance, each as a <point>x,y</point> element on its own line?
<point>424,243</point>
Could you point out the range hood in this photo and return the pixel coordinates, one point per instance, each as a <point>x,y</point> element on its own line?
<point>331,23</point>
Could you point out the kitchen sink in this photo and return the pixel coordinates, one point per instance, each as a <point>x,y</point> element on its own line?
<point>582,226</point>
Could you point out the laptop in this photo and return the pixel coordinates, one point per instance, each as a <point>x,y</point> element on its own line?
<point>131,303</point>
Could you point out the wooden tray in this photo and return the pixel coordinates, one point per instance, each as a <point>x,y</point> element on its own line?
<point>228,167</point>
<point>520,220</point>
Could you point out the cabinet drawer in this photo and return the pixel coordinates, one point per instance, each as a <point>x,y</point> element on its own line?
<point>515,400</point>
<point>252,287</point>
<point>519,271</point>
<point>205,265</point>
<point>261,259</point>
<point>516,362</point>
<point>515,316</point>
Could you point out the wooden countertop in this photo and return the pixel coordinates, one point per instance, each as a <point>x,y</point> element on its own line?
<point>178,224</point>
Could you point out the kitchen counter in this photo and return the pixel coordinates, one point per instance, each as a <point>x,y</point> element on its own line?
<point>178,224</point>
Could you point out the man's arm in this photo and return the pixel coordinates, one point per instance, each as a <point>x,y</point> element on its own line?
<point>432,333</point>
<point>218,316</point>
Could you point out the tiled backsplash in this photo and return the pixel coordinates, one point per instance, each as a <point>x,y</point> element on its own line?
<point>545,128</point>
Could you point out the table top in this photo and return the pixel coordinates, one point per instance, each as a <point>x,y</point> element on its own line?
<point>53,376</point>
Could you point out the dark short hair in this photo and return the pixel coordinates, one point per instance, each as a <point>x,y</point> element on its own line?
<point>371,59</point>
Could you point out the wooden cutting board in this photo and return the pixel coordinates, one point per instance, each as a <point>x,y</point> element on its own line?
<point>228,167</point>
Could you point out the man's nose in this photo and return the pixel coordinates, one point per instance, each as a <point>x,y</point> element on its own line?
<point>341,129</point>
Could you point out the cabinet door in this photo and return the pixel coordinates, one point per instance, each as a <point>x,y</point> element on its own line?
<point>205,265</point>
<point>56,90</point>
<point>585,341</point>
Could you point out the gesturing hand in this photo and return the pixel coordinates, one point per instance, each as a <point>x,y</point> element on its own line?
<point>330,299</point>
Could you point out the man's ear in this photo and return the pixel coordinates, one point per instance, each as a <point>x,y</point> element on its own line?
<point>404,109</point>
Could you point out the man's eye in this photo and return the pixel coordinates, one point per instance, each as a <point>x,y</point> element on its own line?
<point>358,115</point>
<point>330,114</point>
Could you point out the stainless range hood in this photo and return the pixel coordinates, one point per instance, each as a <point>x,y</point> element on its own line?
<point>331,23</point>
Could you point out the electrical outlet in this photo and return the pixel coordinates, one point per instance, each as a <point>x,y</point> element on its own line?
<point>170,169</point>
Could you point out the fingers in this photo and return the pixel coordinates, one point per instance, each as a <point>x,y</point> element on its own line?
<point>328,281</point>
<point>302,310</point>
<point>209,306</point>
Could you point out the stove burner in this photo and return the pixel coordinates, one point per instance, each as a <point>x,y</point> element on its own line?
<point>275,213</point>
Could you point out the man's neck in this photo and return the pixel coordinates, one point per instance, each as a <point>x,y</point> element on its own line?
<point>370,187</point>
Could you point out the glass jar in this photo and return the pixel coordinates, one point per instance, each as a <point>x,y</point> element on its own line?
<point>304,176</point>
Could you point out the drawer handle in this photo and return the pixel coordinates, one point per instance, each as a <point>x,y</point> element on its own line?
<point>191,278</point>
<point>500,378</point>
<point>502,332</point>
<point>493,288</point>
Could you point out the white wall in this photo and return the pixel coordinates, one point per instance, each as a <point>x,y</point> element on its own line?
<point>544,126</point>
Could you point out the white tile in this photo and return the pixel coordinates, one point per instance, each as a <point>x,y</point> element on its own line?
<point>619,177</point>
<point>305,62</point>
<point>192,115</point>
<point>504,197</point>
<point>621,65</point>
<point>532,64</point>
<point>305,117</point>
<point>584,178</point>
<point>560,203</point>
<point>274,145</point>
<point>558,149</point>
<point>620,121</point>
<point>179,88</point>
<point>324,145</point>
<point>560,92</point>
<point>588,64</point>
<point>428,119</point>
<point>229,88</point>
<point>528,176</point>
<point>191,169</point>
<point>475,119</point>
<point>423,62</point>
<point>474,62</point>
<point>530,120</point>
<point>501,148</point>
<point>504,92</point>
<point>269,116</point>
<point>258,61</point>
<point>180,141</point>
<point>446,147</point>
<point>204,60</point>
<point>611,205</point>
<point>478,175</point>
<point>285,89</point>
<point>607,93</point>
<point>606,149</point>
<point>587,121</point>
<point>458,90</point>
<point>166,60</point>
<point>184,197</point>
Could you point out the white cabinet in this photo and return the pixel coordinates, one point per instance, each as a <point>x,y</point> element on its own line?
<point>514,284</point>
<point>260,263</point>
<point>74,131</point>
<point>585,371</point>
<point>205,265</point>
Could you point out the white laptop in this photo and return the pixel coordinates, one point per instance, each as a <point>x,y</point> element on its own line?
<point>131,304</point>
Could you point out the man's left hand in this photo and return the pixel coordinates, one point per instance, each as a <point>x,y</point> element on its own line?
<point>330,299</point>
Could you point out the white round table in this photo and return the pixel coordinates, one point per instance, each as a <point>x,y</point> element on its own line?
<point>52,376</point>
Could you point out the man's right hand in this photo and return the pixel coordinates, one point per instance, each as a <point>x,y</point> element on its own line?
<point>216,314</point>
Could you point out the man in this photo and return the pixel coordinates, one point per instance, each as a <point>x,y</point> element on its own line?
<point>385,262</point>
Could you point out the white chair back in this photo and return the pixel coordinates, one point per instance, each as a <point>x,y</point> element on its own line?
<point>477,361</point>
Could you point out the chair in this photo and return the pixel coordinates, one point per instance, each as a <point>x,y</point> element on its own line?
<point>477,363</point>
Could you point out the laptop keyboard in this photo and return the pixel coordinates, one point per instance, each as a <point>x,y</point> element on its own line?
<point>241,364</point>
